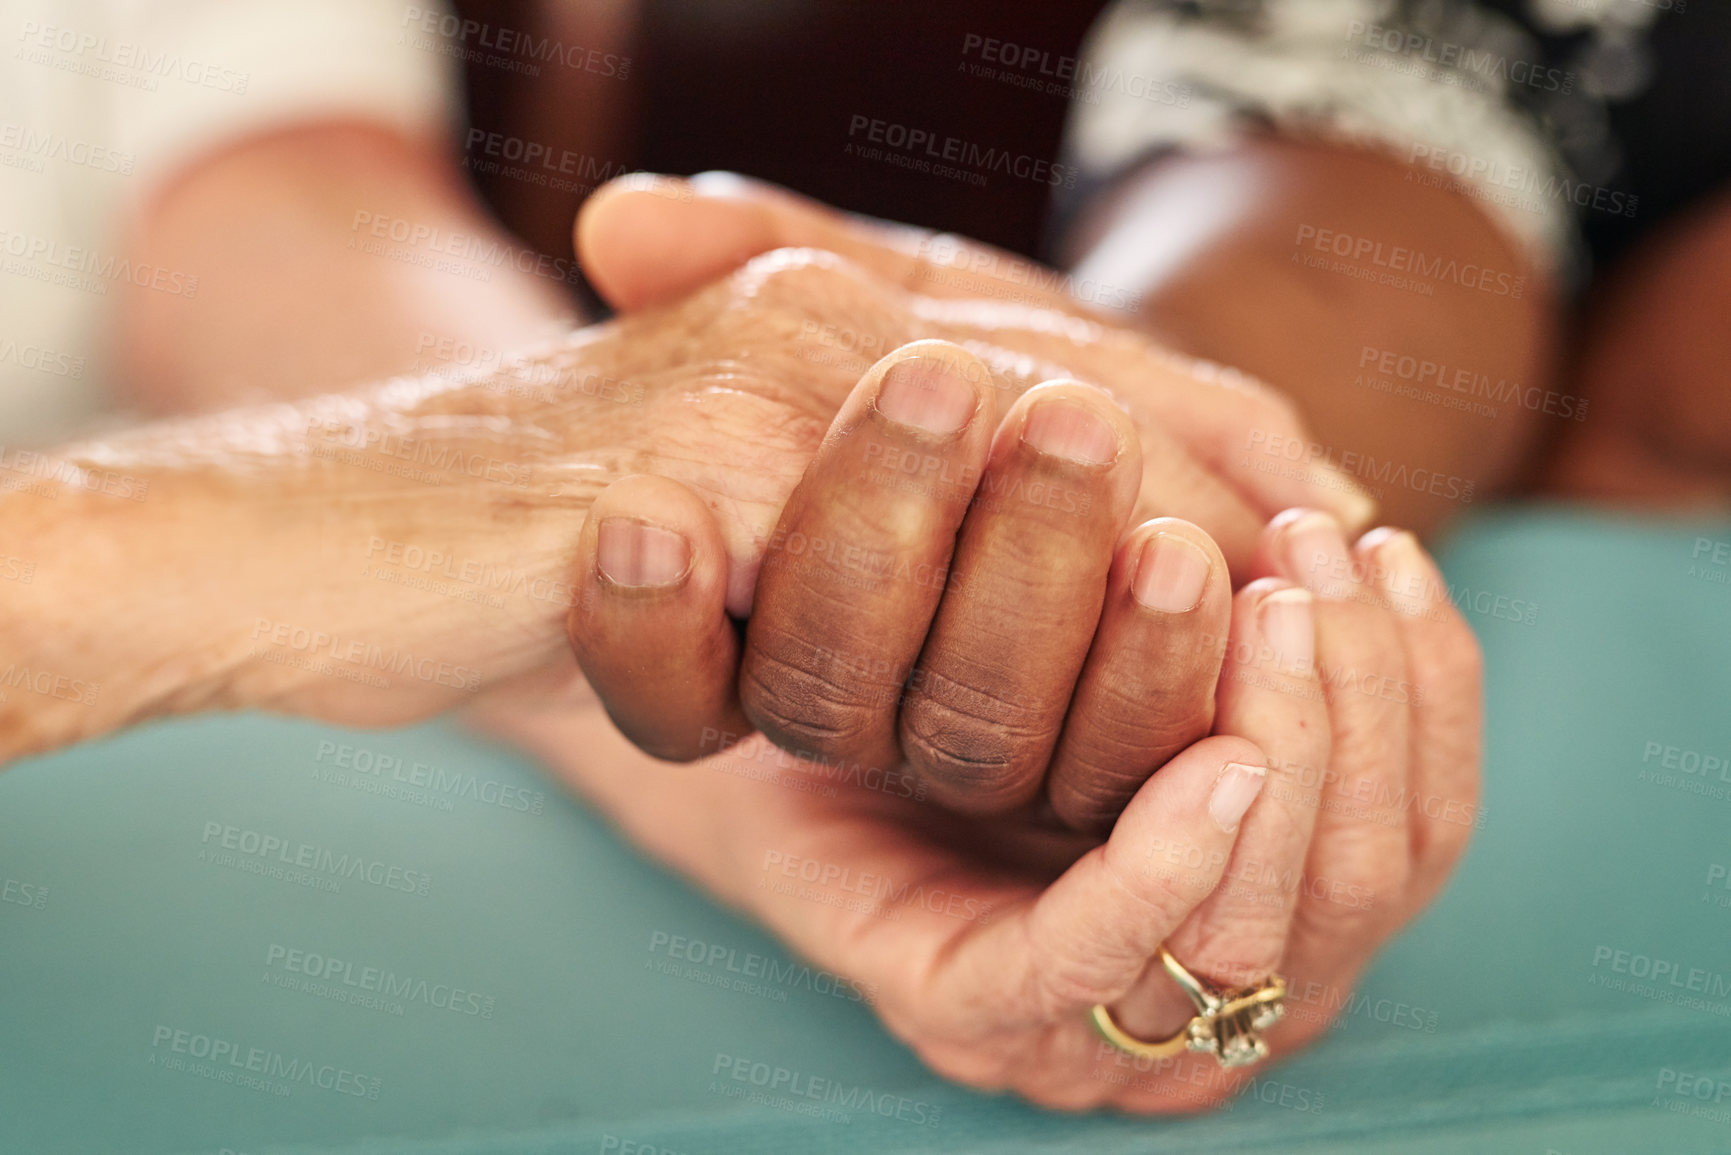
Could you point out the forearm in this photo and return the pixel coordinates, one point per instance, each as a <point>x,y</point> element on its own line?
<point>1234,257</point>
<point>324,256</point>
<point>366,558</point>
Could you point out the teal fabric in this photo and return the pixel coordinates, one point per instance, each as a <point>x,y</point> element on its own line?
<point>1507,1020</point>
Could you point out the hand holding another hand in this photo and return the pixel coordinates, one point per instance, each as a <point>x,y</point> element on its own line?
<point>1337,793</point>
<point>984,941</point>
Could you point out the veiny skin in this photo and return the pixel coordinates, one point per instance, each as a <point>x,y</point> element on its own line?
<point>267,514</point>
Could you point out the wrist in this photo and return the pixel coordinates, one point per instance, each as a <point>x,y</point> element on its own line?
<point>368,559</point>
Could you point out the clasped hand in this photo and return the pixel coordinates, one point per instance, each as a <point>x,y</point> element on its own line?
<point>969,659</point>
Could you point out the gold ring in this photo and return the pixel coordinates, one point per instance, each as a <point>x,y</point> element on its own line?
<point>1226,1023</point>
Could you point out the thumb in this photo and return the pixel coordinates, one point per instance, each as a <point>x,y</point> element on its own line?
<point>643,239</point>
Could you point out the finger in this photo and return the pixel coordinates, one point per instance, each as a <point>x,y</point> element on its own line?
<point>1446,669</point>
<point>1269,694</point>
<point>983,998</point>
<point>648,625</point>
<point>1359,852</point>
<point>1147,687</point>
<point>987,700</point>
<point>1090,935</point>
<point>856,567</point>
<point>1172,479</point>
<point>1444,660</point>
<point>644,239</point>
<point>1245,431</point>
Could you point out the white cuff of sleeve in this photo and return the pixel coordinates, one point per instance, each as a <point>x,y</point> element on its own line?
<point>238,68</point>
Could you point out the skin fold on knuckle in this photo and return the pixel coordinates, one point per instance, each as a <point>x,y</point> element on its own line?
<point>788,694</point>
<point>1168,890</point>
<point>1062,983</point>
<point>977,738</point>
<point>1374,865</point>
<point>1344,928</point>
<point>1240,943</point>
<point>1138,716</point>
<point>1098,787</point>
<point>1101,764</point>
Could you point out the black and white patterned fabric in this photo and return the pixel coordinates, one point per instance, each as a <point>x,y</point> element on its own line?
<point>1576,124</point>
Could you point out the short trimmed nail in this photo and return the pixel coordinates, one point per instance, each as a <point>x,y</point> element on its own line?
<point>1171,574</point>
<point>1316,554</point>
<point>1074,432</point>
<point>629,553</point>
<point>1289,627</point>
<point>716,183</point>
<point>1404,574</point>
<point>927,395</point>
<point>1358,508</point>
<point>1234,791</point>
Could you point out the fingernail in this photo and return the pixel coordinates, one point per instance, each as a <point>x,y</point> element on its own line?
<point>629,553</point>
<point>719,183</point>
<point>1234,791</point>
<point>925,394</point>
<point>1316,555</point>
<point>1404,574</point>
<point>1289,628</point>
<point>1071,431</point>
<point>1171,573</point>
<point>1358,508</point>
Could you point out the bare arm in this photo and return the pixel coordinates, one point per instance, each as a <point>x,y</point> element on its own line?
<point>326,256</point>
<point>1258,257</point>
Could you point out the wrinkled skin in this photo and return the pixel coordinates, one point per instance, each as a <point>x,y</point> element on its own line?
<point>727,391</point>
<point>983,942</point>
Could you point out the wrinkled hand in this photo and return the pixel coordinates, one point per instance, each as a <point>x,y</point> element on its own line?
<point>727,391</point>
<point>1217,445</point>
<point>1348,721</point>
<point>938,592</point>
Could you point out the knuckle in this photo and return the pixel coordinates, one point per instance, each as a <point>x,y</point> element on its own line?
<point>803,280</point>
<point>1241,947</point>
<point>803,707</point>
<point>1088,796</point>
<point>1108,764</point>
<point>957,757</point>
<point>1165,722</point>
<point>975,739</point>
<point>1157,703</point>
<point>1063,983</point>
<point>1348,901</point>
<point>1333,923</point>
<point>1172,889</point>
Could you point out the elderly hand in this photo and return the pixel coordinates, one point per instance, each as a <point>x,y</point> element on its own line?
<point>1339,790</point>
<point>378,556</point>
<point>1219,446</point>
<point>941,590</point>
